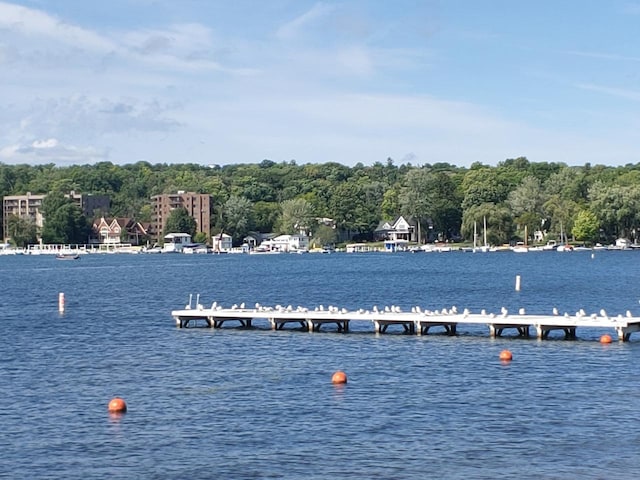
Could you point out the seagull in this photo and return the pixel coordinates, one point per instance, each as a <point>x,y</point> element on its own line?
<point>321,308</point>
<point>504,311</point>
<point>483,312</point>
<point>375,308</point>
<point>582,312</point>
<point>344,310</point>
<point>454,309</point>
<point>521,311</point>
<point>386,309</point>
<point>242,305</point>
<point>413,309</point>
<point>465,312</point>
<point>603,313</point>
<point>566,315</point>
<point>594,316</point>
<point>234,306</point>
<point>555,311</point>
<point>629,314</point>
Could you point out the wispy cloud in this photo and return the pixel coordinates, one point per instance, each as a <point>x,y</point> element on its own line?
<point>613,91</point>
<point>604,56</point>
<point>293,28</point>
<point>34,23</point>
<point>631,8</point>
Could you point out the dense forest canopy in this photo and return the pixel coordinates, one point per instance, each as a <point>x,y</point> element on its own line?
<point>589,203</point>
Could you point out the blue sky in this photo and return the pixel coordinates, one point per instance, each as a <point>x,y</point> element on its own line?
<point>220,82</point>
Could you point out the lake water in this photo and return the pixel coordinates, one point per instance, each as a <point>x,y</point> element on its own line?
<point>252,404</point>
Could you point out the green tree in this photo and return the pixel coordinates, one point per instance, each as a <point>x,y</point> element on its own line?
<point>586,226</point>
<point>498,219</point>
<point>22,231</point>
<point>63,221</point>
<point>323,235</point>
<point>296,215</point>
<point>238,217</point>
<point>179,221</point>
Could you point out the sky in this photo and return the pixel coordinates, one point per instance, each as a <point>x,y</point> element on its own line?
<point>218,82</point>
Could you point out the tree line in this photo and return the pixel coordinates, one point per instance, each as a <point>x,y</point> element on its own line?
<point>588,203</point>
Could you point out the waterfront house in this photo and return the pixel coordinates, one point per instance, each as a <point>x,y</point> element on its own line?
<point>111,231</point>
<point>175,242</point>
<point>400,229</point>
<point>221,243</point>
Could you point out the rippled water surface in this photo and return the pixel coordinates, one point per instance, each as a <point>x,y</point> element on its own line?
<point>243,404</point>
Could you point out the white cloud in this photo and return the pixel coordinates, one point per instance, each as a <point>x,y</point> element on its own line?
<point>48,143</point>
<point>50,151</point>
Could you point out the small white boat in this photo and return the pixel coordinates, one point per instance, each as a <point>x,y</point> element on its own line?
<point>67,256</point>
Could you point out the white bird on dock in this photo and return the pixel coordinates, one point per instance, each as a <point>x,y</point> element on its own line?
<point>234,307</point>
<point>454,310</point>
<point>521,311</point>
<point>603,313</point>
<point>504,311</point>
<point>555,311</point>
<point>418,309</point>
<point>290,308</point>
<point>375,309</point>
<point>321,308</point>
<point>483,312</point>
<point>257,306</point>
<point>594,316</point>
<point>465,312</point>
<point>493,315</point>
<point>413,310</point>
<point>344,310</point>
<point>582,312</point>
<point>387,309</point>
<point>629,314</point>
<point>436,312</point>
<point>214,305</point>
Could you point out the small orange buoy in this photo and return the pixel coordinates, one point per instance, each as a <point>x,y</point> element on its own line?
<point>606,338</point>
<point>339,377</point>
<point>117,405</point>
<point>506,356</point>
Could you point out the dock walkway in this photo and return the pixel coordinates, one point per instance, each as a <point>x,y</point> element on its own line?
<point>415,322</point>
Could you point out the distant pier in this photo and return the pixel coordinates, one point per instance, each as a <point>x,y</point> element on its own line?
<point>416,321</point>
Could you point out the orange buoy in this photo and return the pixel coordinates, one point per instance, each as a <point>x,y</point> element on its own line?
<point>117,405</point>
<point>506,356</point>
<point>339,377</point>
<point>606,338</point>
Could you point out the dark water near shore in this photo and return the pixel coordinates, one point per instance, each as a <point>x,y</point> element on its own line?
<point>238,404</point>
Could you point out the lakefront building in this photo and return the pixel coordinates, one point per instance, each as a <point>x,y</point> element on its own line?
<point>198,206</point>
<point>29,207</point>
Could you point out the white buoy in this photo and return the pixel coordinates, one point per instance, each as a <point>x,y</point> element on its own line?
<point>61,302</point>
<point>517,283</point>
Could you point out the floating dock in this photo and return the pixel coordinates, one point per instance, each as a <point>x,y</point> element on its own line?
<point>417,321</point>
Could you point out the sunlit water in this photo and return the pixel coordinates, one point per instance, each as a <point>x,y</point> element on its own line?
<point>243,404</point>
